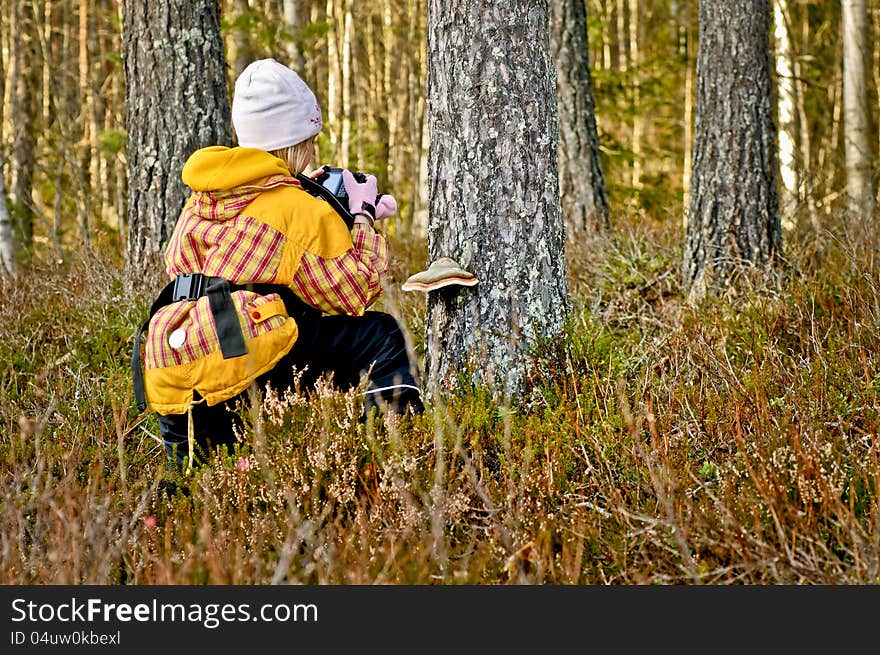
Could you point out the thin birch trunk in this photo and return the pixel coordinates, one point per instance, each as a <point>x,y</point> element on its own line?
<point>8,264</point>
<point>606,36</point>
<point>634,60</point>
<point>785,111</point>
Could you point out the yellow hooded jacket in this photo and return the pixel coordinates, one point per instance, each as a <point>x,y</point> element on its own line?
<point>248,221</point>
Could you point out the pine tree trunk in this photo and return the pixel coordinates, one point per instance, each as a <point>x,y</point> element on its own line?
<point>494,200</point>
<point>733,221</point>
<point>806,190</point>
<point>581,180</point>
<point>23,110</point>
<point>176,102</point>
<point>857,140</point>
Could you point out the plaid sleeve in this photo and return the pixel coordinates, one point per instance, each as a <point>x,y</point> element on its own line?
<point>348,284</point>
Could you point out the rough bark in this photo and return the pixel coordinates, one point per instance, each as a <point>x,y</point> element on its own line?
<point>176,102</point>
<point>733,221</point>
<point>494,191</point>
<point>581,180</point>
<point>857,132</point>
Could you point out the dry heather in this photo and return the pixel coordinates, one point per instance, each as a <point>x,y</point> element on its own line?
<point>731,443</point>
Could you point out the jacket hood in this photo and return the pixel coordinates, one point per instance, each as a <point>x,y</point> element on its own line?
<point>219,168</point>
<point>225,180</point>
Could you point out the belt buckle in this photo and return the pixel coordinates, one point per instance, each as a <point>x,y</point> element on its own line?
<point>188,286</point>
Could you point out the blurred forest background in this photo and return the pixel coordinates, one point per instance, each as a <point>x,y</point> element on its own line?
<point>63,140</point>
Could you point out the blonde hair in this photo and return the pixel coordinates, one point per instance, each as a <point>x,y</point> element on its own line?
<point>297,156</point>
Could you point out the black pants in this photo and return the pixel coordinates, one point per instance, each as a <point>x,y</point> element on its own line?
<point>348,347</point>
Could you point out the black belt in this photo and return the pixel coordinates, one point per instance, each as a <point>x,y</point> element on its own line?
<point>192,286</point>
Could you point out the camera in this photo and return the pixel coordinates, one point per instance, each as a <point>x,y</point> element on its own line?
<point>330,187</point>
<point>331,179</point>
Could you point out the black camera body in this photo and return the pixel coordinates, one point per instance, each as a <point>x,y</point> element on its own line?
<point>331,179</point>
<point>330,186</point>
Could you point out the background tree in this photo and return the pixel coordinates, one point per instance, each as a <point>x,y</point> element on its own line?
<point>642,71</point>
<point>492,176</point>
<point>24,84</point>
<point>733,220</point>
<point>786,118</point>
<point>857,131</point>
<point>8,264</point>
<point>581,181</point>
<point>176,102</point>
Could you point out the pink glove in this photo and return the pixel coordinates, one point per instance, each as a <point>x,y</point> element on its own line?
<point>386,206</point>
<point>361,195</point>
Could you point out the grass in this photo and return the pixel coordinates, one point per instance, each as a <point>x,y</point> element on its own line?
<point>733,442</point>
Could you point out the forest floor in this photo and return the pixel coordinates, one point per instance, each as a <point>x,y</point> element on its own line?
<point>730,442</point>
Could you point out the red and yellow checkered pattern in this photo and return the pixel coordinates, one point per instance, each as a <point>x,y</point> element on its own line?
<point>257,229</point>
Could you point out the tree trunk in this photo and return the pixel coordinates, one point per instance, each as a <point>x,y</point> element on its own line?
<point>875,12</point>
<point>345,82</point>
<point>86,108</point>
<point>8,265</point>
<point>857,139</point>
<point>25,81</point>
<point>5,51</point>
<point>733,221</point>
<point>243,53</point>
<point>785,108</point>
<point>635,64</point>
<point>581,181</point>
<point>494,191</point>
<point>293,22</point>
<point>381,100</point>
<point>176,102</point>
<point>806,189</point>
<point>688,131</point>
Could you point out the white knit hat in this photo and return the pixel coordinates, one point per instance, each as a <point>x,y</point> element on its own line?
<point>273,108</point>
